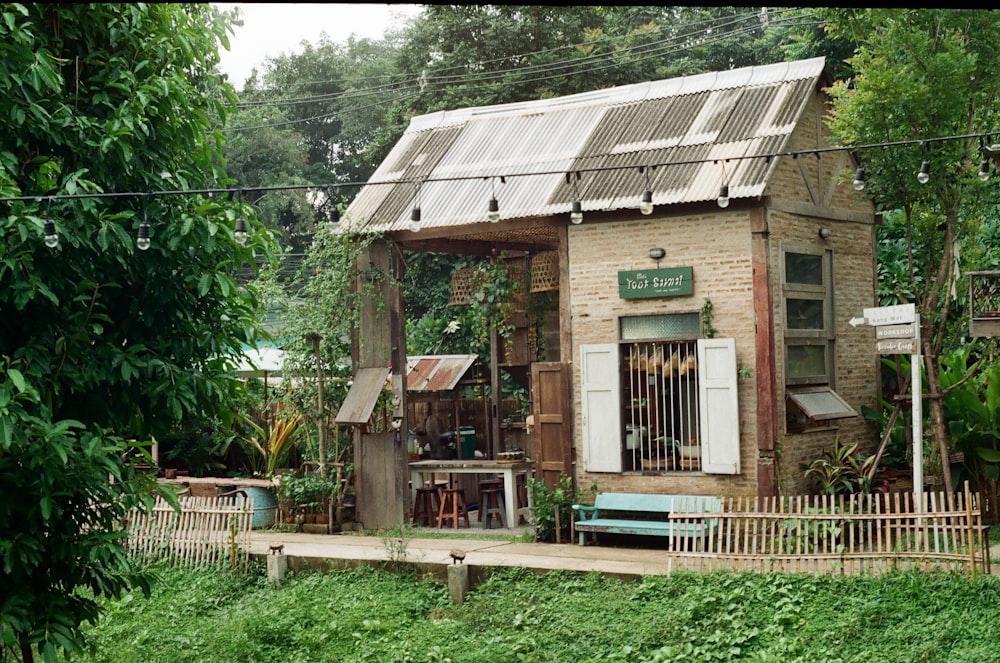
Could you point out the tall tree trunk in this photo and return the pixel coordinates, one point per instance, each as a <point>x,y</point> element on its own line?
<point>933,325</point>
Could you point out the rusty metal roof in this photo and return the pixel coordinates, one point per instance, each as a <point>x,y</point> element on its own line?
<point>436,372</point>
<point>697,122</point>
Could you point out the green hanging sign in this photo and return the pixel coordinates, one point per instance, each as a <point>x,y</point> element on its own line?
<point>645,283</point>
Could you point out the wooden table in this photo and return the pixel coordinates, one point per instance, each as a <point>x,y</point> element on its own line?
<point>509,472</point>
<point>220,482</point>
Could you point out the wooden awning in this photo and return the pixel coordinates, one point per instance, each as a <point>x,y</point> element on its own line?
<point>431,373</point>
<point>362,396</point>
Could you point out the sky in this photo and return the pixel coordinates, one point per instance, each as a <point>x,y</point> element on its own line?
<point>272,29</point>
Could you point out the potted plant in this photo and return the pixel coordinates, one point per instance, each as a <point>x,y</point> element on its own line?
<point>309,497</point>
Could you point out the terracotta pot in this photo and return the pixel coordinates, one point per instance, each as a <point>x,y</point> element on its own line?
<point>311,518</point>
<point>322,519</point>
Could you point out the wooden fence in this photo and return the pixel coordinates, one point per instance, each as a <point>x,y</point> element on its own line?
<point>839,534</point>
<point>208,531</point>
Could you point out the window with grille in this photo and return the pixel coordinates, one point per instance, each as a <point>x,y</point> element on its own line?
<point>660,396</point>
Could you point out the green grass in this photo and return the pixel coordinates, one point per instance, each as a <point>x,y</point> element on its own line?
<point>374,615</point>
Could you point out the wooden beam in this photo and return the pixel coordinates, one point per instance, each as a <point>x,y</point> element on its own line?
<point>819,211</point>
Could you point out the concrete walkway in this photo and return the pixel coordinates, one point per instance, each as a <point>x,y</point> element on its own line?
<point>433,555</point>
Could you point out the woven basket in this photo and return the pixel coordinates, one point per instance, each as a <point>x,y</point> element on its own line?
<point>464,282</point>
<point>545,271</point>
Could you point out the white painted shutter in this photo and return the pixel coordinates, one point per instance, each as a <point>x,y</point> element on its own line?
<point>719,405</point>
<point>602,407</point>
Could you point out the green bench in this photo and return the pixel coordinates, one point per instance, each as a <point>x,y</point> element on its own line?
<point>649,514</point>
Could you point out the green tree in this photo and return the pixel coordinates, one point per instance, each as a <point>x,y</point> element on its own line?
<point>104,346</point>
<point>923,74</point>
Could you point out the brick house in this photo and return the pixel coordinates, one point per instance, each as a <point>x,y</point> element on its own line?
<point>696,342</point>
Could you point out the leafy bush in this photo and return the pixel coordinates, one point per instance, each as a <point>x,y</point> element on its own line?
<point>841,470</point>
<point>549,501</point>
<point>310,491</point>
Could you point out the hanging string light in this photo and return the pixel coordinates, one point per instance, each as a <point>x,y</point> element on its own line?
<point>142,241</point>
<point>924,174</point>
<point>50,235</point>
<point>990,153</point>
<point>493,210</point>
<point>240,229</point>
<point>576,210</point>
<point>646,203</point>
<point>415,212</point>
<point>723,199</point>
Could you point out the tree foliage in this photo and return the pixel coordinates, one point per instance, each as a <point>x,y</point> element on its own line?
<point>921,75</point>
<point>102,106</point>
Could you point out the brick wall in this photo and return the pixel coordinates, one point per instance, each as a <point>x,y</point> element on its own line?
<point>717,244</point>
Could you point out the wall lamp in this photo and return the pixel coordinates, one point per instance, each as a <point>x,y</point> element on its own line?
<point>657,253</point>
<point>825,233</point>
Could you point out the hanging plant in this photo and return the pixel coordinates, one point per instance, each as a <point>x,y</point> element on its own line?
<point>493,302</point>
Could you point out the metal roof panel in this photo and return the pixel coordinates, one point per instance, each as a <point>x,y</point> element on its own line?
<point>698,126</point>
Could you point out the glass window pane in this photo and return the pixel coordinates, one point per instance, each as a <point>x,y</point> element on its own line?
<point>806,361</point>
<point>804,313</point>
<point>803,268</point>
<point>675,326</point>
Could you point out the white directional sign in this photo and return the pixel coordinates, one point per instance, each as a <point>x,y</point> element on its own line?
<point>887,315</point>
<point>896,346</point>
<point>896,331</point>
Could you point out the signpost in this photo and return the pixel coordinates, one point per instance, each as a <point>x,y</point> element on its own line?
<point>897,331</point>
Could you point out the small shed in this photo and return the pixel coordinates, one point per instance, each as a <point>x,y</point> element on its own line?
<point>706,252</point>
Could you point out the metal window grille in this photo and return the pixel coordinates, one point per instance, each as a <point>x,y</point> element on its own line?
<point>661,406</point>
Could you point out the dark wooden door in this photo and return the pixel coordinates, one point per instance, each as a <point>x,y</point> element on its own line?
<point>550,407</point>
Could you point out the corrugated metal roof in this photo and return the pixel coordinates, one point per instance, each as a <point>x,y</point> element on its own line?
<point>702,123</point>
<point>436,372</point>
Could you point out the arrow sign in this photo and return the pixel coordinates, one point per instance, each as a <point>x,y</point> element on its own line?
<point>857,321</point>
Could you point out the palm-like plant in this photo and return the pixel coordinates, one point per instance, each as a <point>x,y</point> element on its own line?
<point>270,448</point>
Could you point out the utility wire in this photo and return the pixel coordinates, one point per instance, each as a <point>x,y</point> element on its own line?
<point>644,52</point>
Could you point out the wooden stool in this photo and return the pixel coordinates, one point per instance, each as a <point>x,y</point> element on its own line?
<point>487,484</point>
<point>425,507</point>
<point>490,506</point>
<point>453,507</point>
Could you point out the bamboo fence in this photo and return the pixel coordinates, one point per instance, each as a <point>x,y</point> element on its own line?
<point>208,531</point>
<point>841,534</point>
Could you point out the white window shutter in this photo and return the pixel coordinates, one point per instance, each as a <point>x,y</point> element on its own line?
<point>719,406</point>
<point>602,408</point>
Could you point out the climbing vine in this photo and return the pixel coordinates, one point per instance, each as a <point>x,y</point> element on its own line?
<point>500,285</point>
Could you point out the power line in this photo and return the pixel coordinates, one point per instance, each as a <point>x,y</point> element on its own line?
<point>644,51</point>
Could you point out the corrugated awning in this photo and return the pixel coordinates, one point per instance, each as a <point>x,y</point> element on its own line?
<point>821,403</point>
<point>436,372</point>
<point>361,398</point>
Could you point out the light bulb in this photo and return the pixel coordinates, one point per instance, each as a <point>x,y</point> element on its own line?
<point>646,204</point>
<point>576,214</point>
<point>925,172</point>
<point>493,215</point>
<point>142,240</point>
<point>984,170</point>
<point>723,199</point>
<point>415,219</point>
<point>240,232</point>
<point>51,238</point>
<point>859,179</point>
